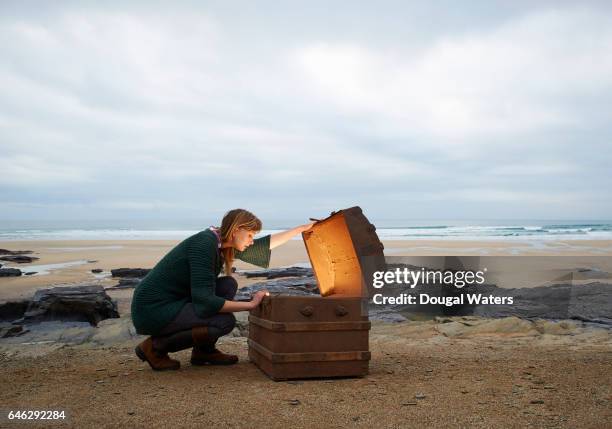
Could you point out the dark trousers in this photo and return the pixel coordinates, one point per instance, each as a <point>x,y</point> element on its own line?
<point>218,325</point>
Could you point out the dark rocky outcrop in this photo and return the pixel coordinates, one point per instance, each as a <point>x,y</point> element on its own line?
<point>296,286</point>
<point>97,270</point>
<point>129,277</point>
<point>13,310</point>
<point>14,252</point>
<point>274,273</point>
<point>10,272</point>
<point>19,259</point>
<point>86,303</point>
<point>591,302</point>
<point>130,272</point>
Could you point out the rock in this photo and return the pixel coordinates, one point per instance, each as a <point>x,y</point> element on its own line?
<point>512,326</point>
<point>79,334</point>
<point>112,331</point>
<point>296,286</point>
<point>54,333</point>
<point>130,272</point>
<point>126,283</point>
<point>452,329</point>
<point>13,310</point>
<point>564,327</point>
<point>30,273</point>
<point>385,315</point>
<point>274,273</point>
<point>87,303</point>
<point>536,401</point>
<point>420,396</point>
<point>10,330</point>
<point>242,324</point>
<point>506,325</point>
<point>589,273</point>
<point>91,261</point>
<point>14,252</point>
<point>591,302</point>
<point>409,403</point>
<point>294,402</point>
<point>97,270</point>
<point>10,272</point>
<point>19,259</point>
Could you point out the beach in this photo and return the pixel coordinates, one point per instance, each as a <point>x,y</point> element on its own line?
<point>112,254</point>
<point>418,378</point>
<point>432,373</point>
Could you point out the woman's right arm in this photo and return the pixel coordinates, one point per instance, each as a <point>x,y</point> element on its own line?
<point>233,306</point>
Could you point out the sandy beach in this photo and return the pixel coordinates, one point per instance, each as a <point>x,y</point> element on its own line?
<point>488,380</point>
<point>453,373</point>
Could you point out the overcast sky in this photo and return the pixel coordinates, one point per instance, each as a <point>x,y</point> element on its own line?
<point>413,110</point>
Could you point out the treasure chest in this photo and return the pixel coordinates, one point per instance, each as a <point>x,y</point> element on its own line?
<point>322,336</point>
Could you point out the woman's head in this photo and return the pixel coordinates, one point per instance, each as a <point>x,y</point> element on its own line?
<point>237,230</point>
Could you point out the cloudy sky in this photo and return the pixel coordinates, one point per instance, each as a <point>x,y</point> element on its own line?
<point>489,110</point>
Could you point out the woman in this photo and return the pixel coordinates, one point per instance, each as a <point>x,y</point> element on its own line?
<point>183,303</point>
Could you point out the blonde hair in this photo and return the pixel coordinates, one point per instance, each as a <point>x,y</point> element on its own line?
<point>232,220</point>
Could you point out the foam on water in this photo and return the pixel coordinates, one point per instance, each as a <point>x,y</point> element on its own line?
<point>448,231</point>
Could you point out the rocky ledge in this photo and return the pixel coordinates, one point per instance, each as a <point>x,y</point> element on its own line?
<point>84,303</point>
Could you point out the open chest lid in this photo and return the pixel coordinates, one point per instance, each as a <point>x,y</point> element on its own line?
<point>344,251</point>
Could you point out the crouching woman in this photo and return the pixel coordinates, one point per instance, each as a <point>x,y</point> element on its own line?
<point>183,302</point>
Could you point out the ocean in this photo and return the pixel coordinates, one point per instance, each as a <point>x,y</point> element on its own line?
<point>387,230</point>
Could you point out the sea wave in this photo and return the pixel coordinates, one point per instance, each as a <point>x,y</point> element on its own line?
<point>574,231</point>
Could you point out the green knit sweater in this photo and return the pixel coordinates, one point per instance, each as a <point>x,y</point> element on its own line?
<point>187,274</point>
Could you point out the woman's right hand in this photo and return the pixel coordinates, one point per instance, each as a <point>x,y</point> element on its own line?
<point>258,296</point>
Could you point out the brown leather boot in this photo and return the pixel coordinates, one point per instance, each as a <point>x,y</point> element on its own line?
<point>204,351</point>
<point>215,357</point>
<point>159,361</point>
<point>201,337</point>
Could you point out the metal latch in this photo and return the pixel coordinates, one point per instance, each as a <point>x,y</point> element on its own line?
<point>307,311</point>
